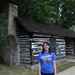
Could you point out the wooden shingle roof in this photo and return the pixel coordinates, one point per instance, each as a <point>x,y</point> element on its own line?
<point>35,27</point>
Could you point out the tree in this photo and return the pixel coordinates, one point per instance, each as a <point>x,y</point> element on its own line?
<point>44,10</point>
<point>24,7</point>
<point>69,13</point>
<point>59,12</point>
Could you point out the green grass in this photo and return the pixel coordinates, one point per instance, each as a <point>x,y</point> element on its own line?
<point>13,70</point>
<point>65,66</point>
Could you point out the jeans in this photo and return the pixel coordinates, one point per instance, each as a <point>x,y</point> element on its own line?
<point>47,73</point>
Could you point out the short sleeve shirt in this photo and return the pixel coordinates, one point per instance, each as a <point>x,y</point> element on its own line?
<point>46,62</point>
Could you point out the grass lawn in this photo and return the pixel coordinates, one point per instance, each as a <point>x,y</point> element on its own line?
<point>12,70</point>
<point>64,66</point>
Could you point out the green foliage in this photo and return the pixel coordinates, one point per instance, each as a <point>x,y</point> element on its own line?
<point>44,10</point>
<point>3,30</point>
<point>59,12</point>
<point>69,13</point>
<point>40,10</point>
<point>23,7</point>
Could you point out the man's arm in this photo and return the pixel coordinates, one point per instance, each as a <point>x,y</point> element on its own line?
<point>54,63</point>
<point>39,69</point>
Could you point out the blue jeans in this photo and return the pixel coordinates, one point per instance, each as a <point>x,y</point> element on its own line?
<point>47,73</point>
